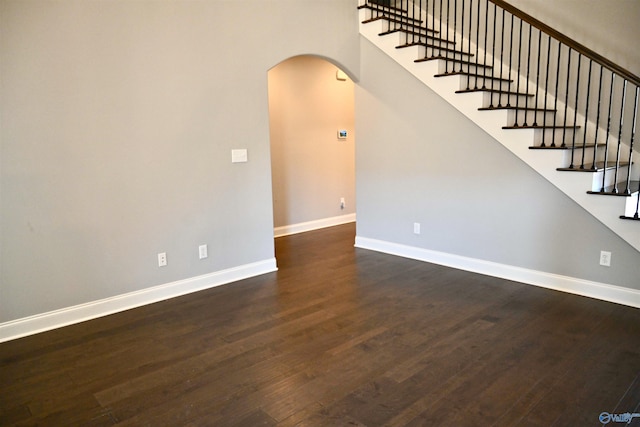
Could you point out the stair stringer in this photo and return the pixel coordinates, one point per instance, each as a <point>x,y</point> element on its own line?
<point>605,209</point>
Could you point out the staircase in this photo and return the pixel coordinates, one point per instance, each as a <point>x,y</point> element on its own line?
<point>566,111</point>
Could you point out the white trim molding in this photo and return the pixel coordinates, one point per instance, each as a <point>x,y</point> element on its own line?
<point>287,230</point>
<point>601,291</point>
<point>91,310</point>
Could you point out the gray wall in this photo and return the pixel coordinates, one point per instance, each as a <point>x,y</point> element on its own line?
<point>117,123</point>
<point>419,160</point>
<point>311,168</point>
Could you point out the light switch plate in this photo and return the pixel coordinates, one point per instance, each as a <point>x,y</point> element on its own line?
<point>239,156</point>
<point>203,252</point>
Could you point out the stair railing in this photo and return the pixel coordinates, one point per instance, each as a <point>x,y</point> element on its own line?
<point>579,100</point>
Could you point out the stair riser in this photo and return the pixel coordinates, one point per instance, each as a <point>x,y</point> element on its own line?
<point>631,205</point>
<point>445,66</point>
<point>529,117</point>
<point>577,159</point>
<point>395,26</point>
<point>427,39</point>
<point>558,136</point>
<point>609,178</point>
<point>431,52</point>
<point>473,82</point>
<point>569,143</point>
<point>495,99</point>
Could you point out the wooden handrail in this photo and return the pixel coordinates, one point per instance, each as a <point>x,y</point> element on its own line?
<point>578,47</point>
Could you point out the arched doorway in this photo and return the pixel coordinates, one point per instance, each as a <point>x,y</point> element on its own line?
<point>311,107</point>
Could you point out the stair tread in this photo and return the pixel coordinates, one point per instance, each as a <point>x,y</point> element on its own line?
<point>404,21</point>
<point>541,127</point>
<point>600,166</point>
<point>511,107</point>
<point>634,187</point>
<point>504,92</point>
<point>560,147</point>
<point>428,32</point>
<point>464,73</point>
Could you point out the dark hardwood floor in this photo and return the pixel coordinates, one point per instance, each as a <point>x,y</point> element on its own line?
<point>338,336</point>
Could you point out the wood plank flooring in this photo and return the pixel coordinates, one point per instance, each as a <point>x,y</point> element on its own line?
<point>337,337</point>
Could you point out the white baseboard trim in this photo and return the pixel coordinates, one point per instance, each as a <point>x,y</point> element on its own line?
<point>286,230</point>
<point>91,310</point>
<point>601,291</point>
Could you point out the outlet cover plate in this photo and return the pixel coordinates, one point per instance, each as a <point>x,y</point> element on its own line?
<point>162,259</point>
<point>202,251</point>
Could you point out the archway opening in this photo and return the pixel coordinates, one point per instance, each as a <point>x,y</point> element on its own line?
<point>311,120</point>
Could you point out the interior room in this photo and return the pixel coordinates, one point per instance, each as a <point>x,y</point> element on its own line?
<point>244,212</point>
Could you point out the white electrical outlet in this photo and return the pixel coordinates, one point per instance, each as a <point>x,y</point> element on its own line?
<point>342,204</point>
<point>202,251</point>
<point>162,259</point>
<point>605,258</point>
<point>416,228</point>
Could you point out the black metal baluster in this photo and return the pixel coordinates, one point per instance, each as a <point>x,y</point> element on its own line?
<point>595,148</point>
<point>606,141</point>
<point>510,60</point>
<point>409,25</point>
<point>501,58</point>
<point>469,42</point>
<point>455,22</point>
<point>462,39</point>
<point>399,23</point>
<point>404,20</point>
<point>566,99</point>
<point>446,54</point>
<point>633,135</point>
<point>519,65</point>
<point>413,14</point>
<point>537,101</point>
<point>546,92</point>
<point>477,47</point>
<point>555,104</point>
<point>455,29</point>
<point>486,28</point>
<point>426,22</point>
<point>575,113</point>
<point>586,116</point>
<point>526,98</point>
<point>493,54</point>
<point>433,24</point>
<point>615,173</point>
<point>440,32</point>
